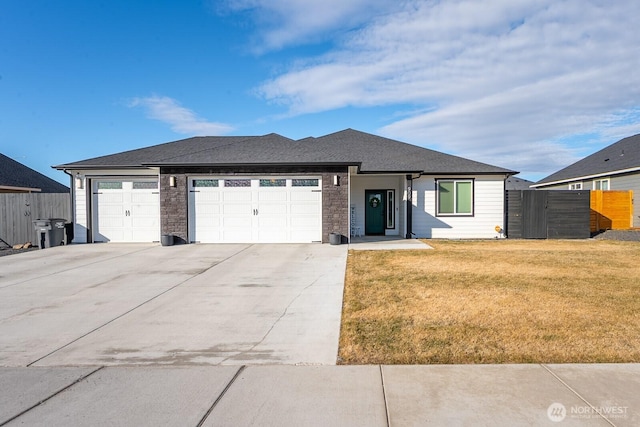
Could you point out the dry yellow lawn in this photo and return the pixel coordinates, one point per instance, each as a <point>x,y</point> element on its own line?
<point>493,302</point>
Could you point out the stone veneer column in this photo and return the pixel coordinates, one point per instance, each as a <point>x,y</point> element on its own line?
<point>335,205</point>
<point>173,207</point>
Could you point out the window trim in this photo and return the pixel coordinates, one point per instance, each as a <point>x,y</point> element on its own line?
<point>455,214</point>
<point>578,185</point>
<point>608,181</point>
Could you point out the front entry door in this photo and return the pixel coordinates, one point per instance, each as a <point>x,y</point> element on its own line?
<point>374,212</point>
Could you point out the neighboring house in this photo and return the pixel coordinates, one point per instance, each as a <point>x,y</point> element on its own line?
<point>517,183</point>
<point>18,178</point>
<point>274,189</point>
<point>616,167</point>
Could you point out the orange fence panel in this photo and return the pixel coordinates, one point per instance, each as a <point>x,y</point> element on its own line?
<point>611,210</point>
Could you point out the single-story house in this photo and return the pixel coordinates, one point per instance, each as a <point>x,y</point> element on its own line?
<point>18,178</point>
<point>616,167</point>
<point>239,189</point>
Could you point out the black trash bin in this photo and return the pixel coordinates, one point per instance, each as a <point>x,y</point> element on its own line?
<point>166,240</point>
<point>335,238</point>
<point>68,231</point>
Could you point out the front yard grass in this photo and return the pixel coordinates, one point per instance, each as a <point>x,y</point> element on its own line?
<point>493,302</point>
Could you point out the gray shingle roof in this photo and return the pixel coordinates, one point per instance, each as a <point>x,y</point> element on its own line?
<point>517,183</point>
<point>373,154</point>
<point>622,155</point>
<point>15,174</point>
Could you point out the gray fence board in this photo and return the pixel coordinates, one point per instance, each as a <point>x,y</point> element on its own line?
<point>18,210</point>
<point>553,214</point>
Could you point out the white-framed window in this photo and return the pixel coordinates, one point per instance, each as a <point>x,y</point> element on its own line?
<point>455,197</point>
<point>601,184</point>
<point>575,186</point>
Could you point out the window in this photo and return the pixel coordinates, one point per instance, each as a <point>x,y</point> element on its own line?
<point>455,197</point>
<point>205,183</point>
<point>391,218</point>
<point>601,184</point>
<point>273,182</point>
<point>304,182</point>
<point>110,185</point>
<point>145,185</point>
<point>237,183</point>
<point>575,186</point>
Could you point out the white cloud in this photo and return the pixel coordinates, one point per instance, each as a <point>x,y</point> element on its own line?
<point>503,81</point>
<point>181,119</point>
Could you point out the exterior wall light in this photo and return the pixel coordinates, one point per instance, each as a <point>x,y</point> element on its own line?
<point>172,181</point>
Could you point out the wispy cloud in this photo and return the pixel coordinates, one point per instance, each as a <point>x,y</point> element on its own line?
<point>181,119</point>
<point>283,23</point>
<point>509,82</point>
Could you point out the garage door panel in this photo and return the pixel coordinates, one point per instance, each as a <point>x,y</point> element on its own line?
<point>273,196</point>
<point>305,209</point>
<point>272,209</point>
<point>237,195</point>
<point>305,196</point>
<point>229,209</point>
<point>206,196</point>
<point>304,224</point>
<point>209,210</point>
<point>236,235</point>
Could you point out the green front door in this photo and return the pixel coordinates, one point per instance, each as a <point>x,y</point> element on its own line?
<point>374,212</point>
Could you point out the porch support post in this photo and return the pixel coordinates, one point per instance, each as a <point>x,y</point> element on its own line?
<point>409,206</point>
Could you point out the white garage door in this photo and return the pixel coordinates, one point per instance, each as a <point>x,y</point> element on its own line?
<point>255,210</point>
<point>126,210</point>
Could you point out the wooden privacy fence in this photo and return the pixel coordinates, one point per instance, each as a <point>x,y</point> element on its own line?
<point>18,210</point>
<point>542,214</point>
<point>611,210</point>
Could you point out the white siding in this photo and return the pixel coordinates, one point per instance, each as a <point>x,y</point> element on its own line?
<point>488,210</point>
<point>360,183</point>
<point>81,224</point>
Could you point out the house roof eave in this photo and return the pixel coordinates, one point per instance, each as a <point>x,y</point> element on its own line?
<point>585,177</point>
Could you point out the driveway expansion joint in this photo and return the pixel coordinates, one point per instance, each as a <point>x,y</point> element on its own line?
<point>219,398</point>
<point>81,378</point>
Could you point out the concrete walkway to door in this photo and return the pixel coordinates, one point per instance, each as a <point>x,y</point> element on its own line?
<point>139,304</point>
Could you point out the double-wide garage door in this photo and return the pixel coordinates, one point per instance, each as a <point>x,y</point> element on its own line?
<point>255,210</point>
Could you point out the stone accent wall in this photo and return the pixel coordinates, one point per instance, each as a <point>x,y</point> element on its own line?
<point>174,201</point>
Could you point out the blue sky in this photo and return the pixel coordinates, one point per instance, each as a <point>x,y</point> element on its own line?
<point>531,85</point>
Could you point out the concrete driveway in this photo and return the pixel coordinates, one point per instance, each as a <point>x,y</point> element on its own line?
<point>144,304</point>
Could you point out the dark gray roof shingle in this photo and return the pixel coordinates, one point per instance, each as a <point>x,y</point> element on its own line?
<point>622,155</point>
<point>373,154</point>
<point>15,174</point>
<point>517,183</point>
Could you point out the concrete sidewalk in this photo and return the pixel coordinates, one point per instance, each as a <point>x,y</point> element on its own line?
<point>285,395</point>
